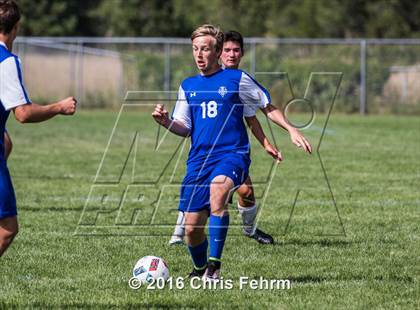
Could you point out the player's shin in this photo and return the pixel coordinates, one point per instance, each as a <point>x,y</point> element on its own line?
<point>218,228</point>
<point>199,255</point>
<point>180,225</point>
<point>179,230</point>
<point>248,215</point>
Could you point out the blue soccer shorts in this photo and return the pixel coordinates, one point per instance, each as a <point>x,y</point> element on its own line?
<point>195,189</point>
<point>7,194</point>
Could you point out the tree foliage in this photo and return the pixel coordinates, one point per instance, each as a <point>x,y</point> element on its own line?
<point>279,18</point>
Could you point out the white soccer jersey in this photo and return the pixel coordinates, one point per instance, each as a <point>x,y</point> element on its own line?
<point>252,95</point>
<point>12,90</point>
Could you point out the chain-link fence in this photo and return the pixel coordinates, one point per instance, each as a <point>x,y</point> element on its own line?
<point>379,76</point>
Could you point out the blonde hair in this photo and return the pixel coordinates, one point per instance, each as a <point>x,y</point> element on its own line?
<point>209,30</point>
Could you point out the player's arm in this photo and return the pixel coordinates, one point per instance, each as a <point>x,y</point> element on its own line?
<point>259,134</point>
<point>34,113</point>
<point>180,124</point>
<point>254,96</point>
<point>175,126</point>
<point>277,117</point>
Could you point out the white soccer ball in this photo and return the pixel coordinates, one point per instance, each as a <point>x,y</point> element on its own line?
<point>150,268</point>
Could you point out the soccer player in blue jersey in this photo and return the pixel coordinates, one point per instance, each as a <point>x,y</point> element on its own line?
<point>13,97</point>
<point>233,50</point>
<point>210,109</point>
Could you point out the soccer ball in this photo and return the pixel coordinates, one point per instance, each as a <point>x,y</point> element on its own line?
<point>150,268</point>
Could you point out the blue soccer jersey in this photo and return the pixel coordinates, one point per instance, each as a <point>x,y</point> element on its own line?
<point>12,94</point>
<point>213,107</point>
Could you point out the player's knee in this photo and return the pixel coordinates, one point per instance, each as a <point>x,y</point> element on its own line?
<point>247,193</point>
<point>218,193</point>
<point>189,230</point>
<point>217,188</point>
<point>193,230</point>
<point>6,237</point>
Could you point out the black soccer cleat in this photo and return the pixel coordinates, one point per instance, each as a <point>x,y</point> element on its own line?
<point>212,271</point>
<point>197,273</point>
<point>262,237</point>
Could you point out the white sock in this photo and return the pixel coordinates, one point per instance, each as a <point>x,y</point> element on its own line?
<point>180,227</point>
<point>248,219</point>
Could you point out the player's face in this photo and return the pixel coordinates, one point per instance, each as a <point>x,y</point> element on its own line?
<point>231,54</point>
<point>205,54</point>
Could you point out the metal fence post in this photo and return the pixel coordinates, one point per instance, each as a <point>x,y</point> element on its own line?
<point>362,107</point>
<point>167,73</point>
<point>253,58</point>
<point>79,82</point>
<point>73,72</point>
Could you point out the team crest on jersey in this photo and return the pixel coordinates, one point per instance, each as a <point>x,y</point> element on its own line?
<point>222,91</point>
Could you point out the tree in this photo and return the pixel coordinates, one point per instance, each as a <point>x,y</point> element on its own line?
<point>278,18</point>
<point>56,17</point>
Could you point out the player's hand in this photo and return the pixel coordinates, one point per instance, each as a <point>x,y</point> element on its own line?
<point>300,141</point>
<point>68,106</point>
<point>161,115</point>
<point>273,152</point>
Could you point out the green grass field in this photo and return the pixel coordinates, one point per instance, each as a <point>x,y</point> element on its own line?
<point>63,259</point>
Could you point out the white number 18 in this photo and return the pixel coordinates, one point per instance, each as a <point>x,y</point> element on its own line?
<point>210,109</point>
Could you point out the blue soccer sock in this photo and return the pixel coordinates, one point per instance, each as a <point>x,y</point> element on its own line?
<point>199,255</point>
<point>218,228</point>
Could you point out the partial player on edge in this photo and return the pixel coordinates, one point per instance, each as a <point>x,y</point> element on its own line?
<point>14,97</point>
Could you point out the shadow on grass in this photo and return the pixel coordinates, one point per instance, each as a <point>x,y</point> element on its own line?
<point>321,242</point>
<point>319,279</point>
